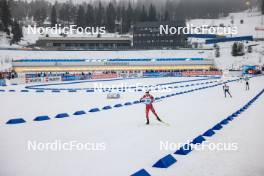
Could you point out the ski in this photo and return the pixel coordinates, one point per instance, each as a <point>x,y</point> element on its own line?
<point>165,123</point>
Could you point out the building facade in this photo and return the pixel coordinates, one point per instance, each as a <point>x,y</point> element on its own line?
<point>146,35</point>
<point>123,64</point>
<point>85,43</point>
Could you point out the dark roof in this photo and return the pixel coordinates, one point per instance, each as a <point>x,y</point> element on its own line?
<point>158,23</point>
<point>86,38</point>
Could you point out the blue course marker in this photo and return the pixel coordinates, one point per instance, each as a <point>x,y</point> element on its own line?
<point>42,118</point>
<point>217,127</point>
<point>184,150</point>
<point>198,140</point>
<point>55,91</point>
<point>136,102</point>
<point>107,107</point>
<point>118,105</point>
<point>128,103</point>
<point>94,110</point>
<point>141,172</point>
<point>209,133</point>
<point>165,162</point>
<point>15,121</point>
<point>79,113</point>
<point>62,115</point>
<point>224,122</point>
<point>72,90</point>
<point>39,91</point>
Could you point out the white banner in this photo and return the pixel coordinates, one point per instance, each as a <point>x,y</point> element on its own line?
<point>43,79</point>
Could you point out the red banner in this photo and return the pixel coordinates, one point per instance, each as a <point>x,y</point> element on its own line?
<point>201,73</point>
<point>104,76</point>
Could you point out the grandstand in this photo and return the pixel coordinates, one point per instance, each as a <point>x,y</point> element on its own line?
<point>115,64</point>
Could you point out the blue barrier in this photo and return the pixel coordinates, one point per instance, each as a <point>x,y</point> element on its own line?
<point>42,118</point>
<point>165,162</point>
<point>184,150</point>
<point>70,78</point>
<point>55,91</point>
<point>128,103</point>
<point>224,122</point>
<point>107,107</point>
<point>209,133</point>
<point>217,127</point>
<point>15,121</point>
<point>153,74</point>
<point>2,90</point>
<point>62,115</point>
<point>229,39</point>
<point>198,140</point>
<point>39,90</point>
<point>2,82</point>
<point>141,172</point>
<point>230,118</point>
<point>94,110</point>
<point>79,113</point>
<point>136,102</point>
<point>118,105</point>
<point>234,115</point>
<point>24,90</point>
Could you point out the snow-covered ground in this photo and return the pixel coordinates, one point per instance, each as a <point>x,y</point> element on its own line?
<point>251,20</point>
<point>129,144</point>
<point>225,61</point>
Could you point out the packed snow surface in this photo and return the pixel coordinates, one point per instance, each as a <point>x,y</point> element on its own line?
<point>129,144</point>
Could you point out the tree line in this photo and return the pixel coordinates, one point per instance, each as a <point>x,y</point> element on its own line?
<point>8,24</point>
<point>117,16</point>
<point>124,13</point>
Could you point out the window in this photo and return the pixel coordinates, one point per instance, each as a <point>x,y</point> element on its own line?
<point>56,44</point>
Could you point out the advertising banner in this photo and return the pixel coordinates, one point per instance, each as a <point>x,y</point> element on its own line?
<point>201,73</point>
<point>2,82</point>
<point>104,76</point>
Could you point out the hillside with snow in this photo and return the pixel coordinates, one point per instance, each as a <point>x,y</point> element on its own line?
<point>251,20</point>
<point>71,129</point>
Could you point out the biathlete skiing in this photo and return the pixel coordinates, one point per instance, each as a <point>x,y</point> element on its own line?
<point>247,83</point>
<point>226,90</point>
<point>148,99</point>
